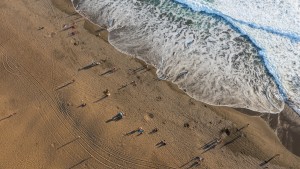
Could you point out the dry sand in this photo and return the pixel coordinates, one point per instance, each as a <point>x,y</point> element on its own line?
<point>43,127</point>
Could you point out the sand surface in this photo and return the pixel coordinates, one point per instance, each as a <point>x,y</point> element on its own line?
<point>42,87</point>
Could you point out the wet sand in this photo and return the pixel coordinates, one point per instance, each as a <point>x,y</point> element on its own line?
<point>54,112</point>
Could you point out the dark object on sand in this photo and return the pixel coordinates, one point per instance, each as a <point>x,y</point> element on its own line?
<point>112,70</point>
<point>72,33</point>
<point>211,145</point>
<point>68,26</point>
<point>243,127</point>
<point>40,28</point>
<point>65,85</point>
<point>8,116</point>
<point>226,131</point>
<point>140,130</point>
<point>193,162</point>
<point>267,161</point>
<point>161,143</point>
<point>125,85</point>
<point>106,93</point>
<point>232,141</point>
<point>154,131</point>
<point>89,66</point>
<point>133,71</point>
<point>117,117</point>
<point>82,105</point>
<point>187,125</point>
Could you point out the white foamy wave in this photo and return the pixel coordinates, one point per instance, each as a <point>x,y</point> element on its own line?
<point>203,54</point>
<point>283,60</point>
<point>273,16</point>
<point>272,25</point>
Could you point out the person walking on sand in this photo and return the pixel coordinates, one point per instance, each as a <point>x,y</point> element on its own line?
<point>82,104</point>
<point>119,116</point>
<point>140,130</point>
<point>154,130</point>
<point>161,143</point>
<point>106,93</point>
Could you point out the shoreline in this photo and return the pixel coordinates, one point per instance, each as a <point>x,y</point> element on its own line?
<point>48,128</point>
<point>266,116</point>
<point>282,107</point>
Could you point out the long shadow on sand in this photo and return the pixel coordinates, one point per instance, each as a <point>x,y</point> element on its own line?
<point>101,99</point>
<point>82,161</point>
<point>7,117</point>
<point>267,161</point>
<point>93,64</point>
<point>115,119</point>
<point>194,164</point>
<point>232,141</point>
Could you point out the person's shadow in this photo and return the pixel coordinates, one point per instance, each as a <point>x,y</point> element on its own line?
<point>115,118</point>
<point>131,132</point>
<point>101,99</point>
<point>267,161</point>
<point>161,144</point>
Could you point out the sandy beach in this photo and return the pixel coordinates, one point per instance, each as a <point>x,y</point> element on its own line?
<point>62,83</point>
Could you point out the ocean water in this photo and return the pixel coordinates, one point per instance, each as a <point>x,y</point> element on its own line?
<point>237,53</point>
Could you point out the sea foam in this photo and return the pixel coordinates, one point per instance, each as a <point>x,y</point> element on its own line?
<point>211,53</point>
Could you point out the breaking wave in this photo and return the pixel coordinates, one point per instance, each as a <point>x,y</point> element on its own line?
<point>209,48</point>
